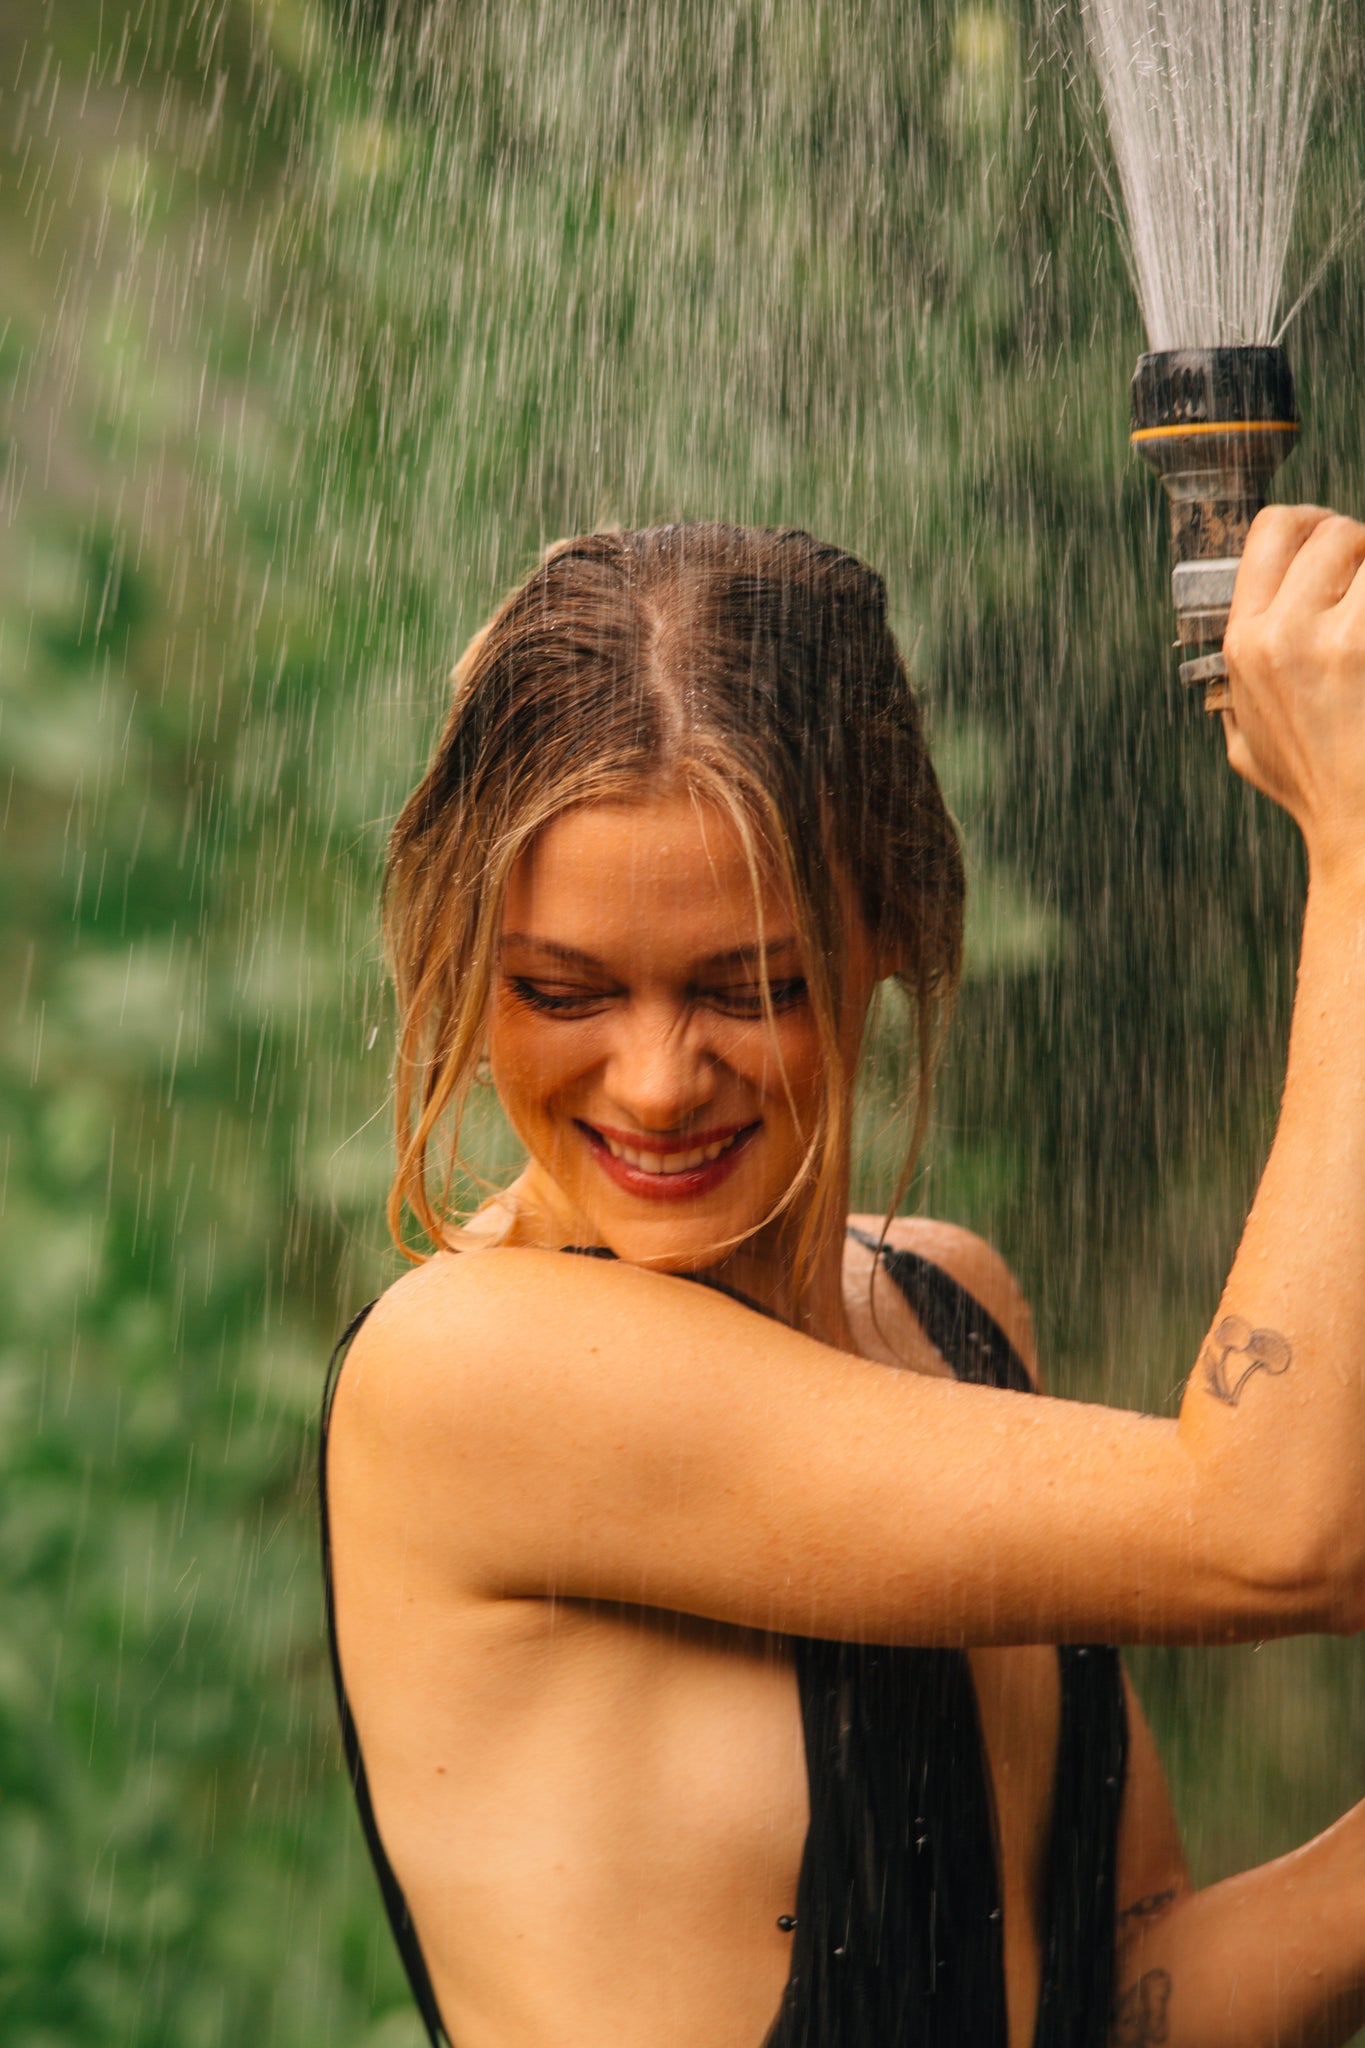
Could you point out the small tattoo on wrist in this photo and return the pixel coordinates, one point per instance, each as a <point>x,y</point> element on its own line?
<point>1234,1352</point>
<point>1140,2015</point>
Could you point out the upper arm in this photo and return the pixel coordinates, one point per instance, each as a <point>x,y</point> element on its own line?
<point>1152,1868</point>
<point>541,1424</point>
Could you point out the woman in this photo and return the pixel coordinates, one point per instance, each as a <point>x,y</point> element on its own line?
<point>687,1651</point>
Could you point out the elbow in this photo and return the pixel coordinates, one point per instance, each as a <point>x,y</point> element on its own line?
<point>1300,1573</point>
<point>1341,1590</point>
<point>1279,1532</point>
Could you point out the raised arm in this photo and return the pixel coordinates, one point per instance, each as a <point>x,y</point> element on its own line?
<point>530,1423</point>
<point>1272,1958</point>
<point>1274,1412</point>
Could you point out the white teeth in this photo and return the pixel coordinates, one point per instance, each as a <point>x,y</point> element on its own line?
<point>669,1162</point>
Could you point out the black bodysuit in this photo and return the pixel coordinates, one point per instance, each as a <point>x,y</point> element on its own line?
<point>898,1937</point>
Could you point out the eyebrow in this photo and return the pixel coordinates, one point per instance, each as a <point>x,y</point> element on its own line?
<point>574,956</point>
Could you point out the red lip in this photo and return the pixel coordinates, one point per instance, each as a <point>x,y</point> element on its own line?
<point>674,1141</point>
<point>688,1186</point>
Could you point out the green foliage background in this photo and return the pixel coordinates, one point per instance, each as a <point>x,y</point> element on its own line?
<point>311,336</point>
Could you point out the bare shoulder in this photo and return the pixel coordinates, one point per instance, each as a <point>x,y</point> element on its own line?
<point>432,1316</point>
<point>414,1360</point>
<point>973,1263</point>
<point>490,1346</point>
<point>450,1327</point>
<point>469,1373</point>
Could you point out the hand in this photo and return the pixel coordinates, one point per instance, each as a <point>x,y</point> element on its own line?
<point>1295,650</point>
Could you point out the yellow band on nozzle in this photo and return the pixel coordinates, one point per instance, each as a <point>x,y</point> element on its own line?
<point>1214,427</point>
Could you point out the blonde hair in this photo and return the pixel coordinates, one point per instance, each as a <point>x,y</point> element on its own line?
<point>755,668</point>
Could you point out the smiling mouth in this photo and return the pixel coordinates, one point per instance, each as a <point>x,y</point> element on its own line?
<point>660,1164</point>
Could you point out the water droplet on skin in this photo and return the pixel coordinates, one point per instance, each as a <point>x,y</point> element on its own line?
<point>300,382</point>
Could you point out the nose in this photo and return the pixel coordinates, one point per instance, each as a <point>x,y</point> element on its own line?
<point>659,1072</point>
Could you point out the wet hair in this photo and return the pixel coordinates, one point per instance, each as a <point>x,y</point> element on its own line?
<point>754,668</point>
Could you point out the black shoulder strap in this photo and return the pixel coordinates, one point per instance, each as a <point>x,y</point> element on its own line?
<point>954,1321</point>
<point>1075,2003</point>
<point>396,1906</point>
<point>1092,1744</point>
<point>601,1251</point>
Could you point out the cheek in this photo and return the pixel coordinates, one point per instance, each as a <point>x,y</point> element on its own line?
<point>789,1061</point>
<point>532,1056</point>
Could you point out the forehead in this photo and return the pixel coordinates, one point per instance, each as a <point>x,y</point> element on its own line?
<point>669,876</point>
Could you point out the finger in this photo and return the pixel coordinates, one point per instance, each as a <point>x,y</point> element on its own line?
<point>1324,568</point>
<point>1352,602</point>
<point>1276,536</point>
<point>1239,754</point>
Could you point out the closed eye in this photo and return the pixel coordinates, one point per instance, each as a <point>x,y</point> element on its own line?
<point>557,999</point>
<point>739,999</point>
<point>746,999</point>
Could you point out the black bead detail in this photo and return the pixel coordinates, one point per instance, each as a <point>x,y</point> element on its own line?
<point>786,1921</point>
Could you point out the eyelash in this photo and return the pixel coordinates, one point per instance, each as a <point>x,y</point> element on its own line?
<point>537,998</point>
<point>785,995</point>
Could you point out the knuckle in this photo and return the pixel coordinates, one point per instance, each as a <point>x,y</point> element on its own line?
<point>1257,646</point>
<point>1341,644</point>
<point>1235,643</point>
<point>1285,521</point>
<point>1335,529</point>
<point>1276,643</point>
<point>1264,533</point>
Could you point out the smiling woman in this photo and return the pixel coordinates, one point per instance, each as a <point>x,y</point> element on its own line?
<point>686,1599</point>
<point>664,1067</point>
<point>751,677</point>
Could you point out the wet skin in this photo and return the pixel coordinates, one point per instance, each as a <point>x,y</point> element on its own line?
<point>577,1504</point>
<point>619,1794</point>
<point>629,1033</point>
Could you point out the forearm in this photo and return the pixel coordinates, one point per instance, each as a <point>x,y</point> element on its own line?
<point>1275,1409</point>
<point>1274,1958</point>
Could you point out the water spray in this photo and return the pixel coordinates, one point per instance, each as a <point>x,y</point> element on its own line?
<point>1208,105</point>
<point>1215,424</point>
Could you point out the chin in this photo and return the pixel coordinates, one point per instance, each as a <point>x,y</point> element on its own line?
<point>670,1244</point>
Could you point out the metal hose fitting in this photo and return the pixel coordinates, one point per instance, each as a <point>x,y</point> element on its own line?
<point>1215,424</point>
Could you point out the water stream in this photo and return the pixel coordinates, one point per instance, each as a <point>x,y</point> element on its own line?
<point>318,320</point>
<point>1208,104</point>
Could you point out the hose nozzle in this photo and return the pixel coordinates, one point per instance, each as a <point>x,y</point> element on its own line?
<point>1215,424</point>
